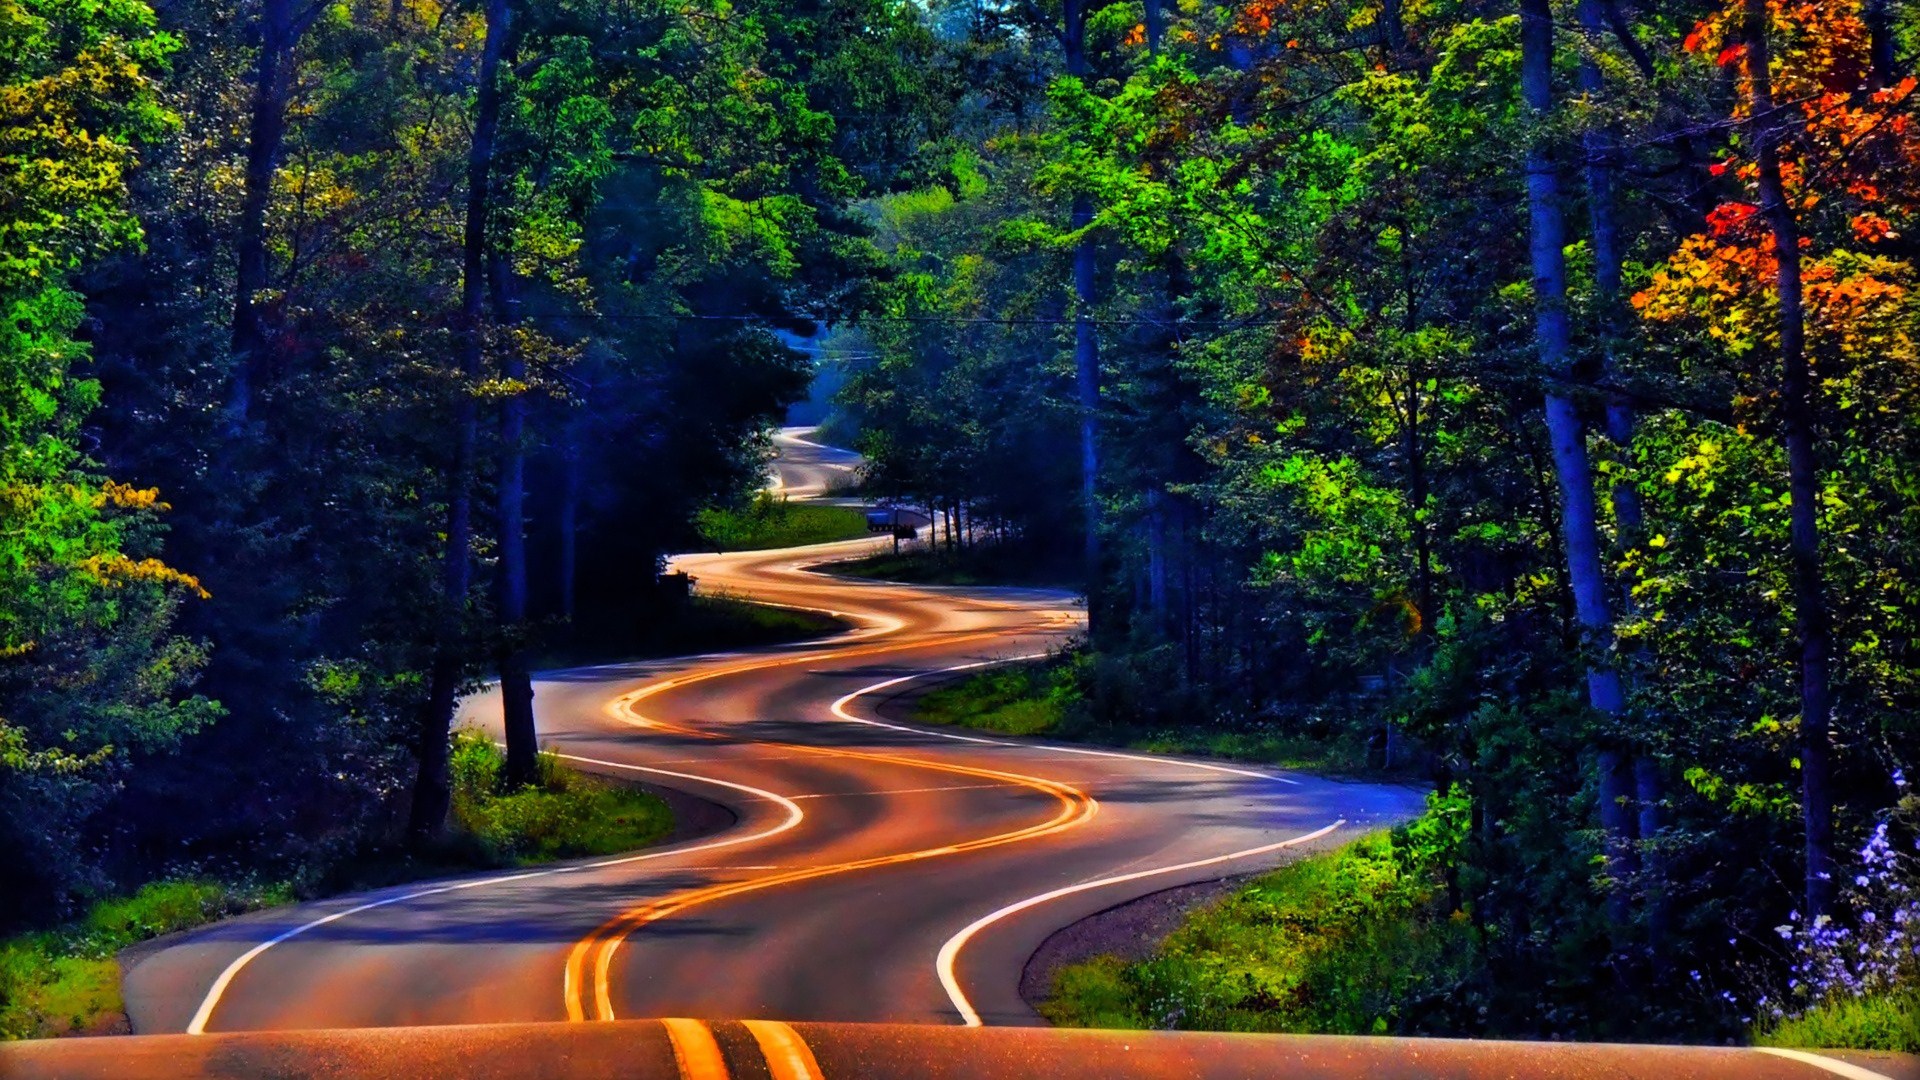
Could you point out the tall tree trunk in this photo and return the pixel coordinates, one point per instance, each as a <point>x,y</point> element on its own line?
<point>280,30</point>
<point>1811,621</point>
<point>1423,590</point>
<point>1086,381</point>
<point>1880,44</point>
<point>1620,777</point>
<point>516,683</point>
<point>1086,341</point>
<point>569,522</point>
<point>1566,433</point>
<point>432,790</point>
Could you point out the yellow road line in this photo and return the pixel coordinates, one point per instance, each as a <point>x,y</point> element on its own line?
<point>590,963</point>
<point>695,1050</point>
<point>787,1054</point>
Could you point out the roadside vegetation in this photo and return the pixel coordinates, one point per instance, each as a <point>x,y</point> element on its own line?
<point>702,623</point>
<point>66,980</point>
<point>564,814</point>
<point>769,521</point>
<point>1082,696</point>
<point>923,563</point>
<point>1361,940</point>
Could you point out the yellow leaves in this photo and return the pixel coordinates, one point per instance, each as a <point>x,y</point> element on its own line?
<point>117,571</point>
<point>127,497</point>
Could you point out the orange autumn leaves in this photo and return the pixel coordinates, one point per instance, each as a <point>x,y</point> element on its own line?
<point>1850,163</point>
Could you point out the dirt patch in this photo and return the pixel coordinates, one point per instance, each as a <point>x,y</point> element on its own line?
<point>1131,931</point>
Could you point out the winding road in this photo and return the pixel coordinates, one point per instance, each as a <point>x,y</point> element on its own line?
<point>876,872</point>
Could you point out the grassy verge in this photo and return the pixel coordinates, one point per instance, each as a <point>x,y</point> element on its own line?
<point>989,565</point>
<point>770,522</point>
<point>1877,1022</point>
<point>1357,941</point>
<point>706,623</point>
<point>67,980</point>
<point>565,815</point>
<point>1070,697</point>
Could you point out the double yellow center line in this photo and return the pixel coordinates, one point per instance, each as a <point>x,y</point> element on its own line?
<point>589,965</point>
<point>697,1054</point>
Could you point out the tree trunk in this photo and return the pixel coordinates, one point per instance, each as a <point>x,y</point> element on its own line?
<point>266,133</point>
<point>516,684</point>
<point>1086,341</point>
<point>1423,589</point>
<point>569,523</point>
<point>1811,621</point>
<point>431,787</point>
<point>1881,71</point>
<point>1620,776</point>
<point>1566,433</point>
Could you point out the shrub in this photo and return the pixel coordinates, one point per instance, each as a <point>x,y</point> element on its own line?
<point>1356,941</point>
<point>564,814</point>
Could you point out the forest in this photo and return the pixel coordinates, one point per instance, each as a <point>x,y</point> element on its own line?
<point>1516,397</point>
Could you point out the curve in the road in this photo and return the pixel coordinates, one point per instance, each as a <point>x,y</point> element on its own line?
<point>590,963</point>
<point>851,908</point>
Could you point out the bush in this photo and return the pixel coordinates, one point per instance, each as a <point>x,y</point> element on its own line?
<point>1135,700</point>
<point>566,814</point>
<point>1357,941</point>
<point>1886,1021</point>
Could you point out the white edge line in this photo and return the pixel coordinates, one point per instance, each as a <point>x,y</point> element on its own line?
<point>840,710</point>
<point>198,1025</point>
<point>1832,1065</point>
<point>950,951</point>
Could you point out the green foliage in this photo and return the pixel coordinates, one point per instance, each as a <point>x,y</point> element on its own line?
<point>1017,700</point>
<point>67,980</point>
<point>1118,701</point>
<point>91,675</point>
<point>1884,1021</point>
<point>772,522</point>
<point>565,814</point>
<point>1357,941</point>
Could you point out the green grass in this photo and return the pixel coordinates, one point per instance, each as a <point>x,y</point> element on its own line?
<point>705,623</point>
<point>1877,1022</point>
<point>1050,698</point>
<point>985,565</point>
<point>770,522</point>
<point>565,815</point>
<point>67,980</point>
<point>1024,699</point>
<point>1355,941</point>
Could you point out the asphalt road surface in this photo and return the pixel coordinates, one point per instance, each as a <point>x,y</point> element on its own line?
<point>877,873</point>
